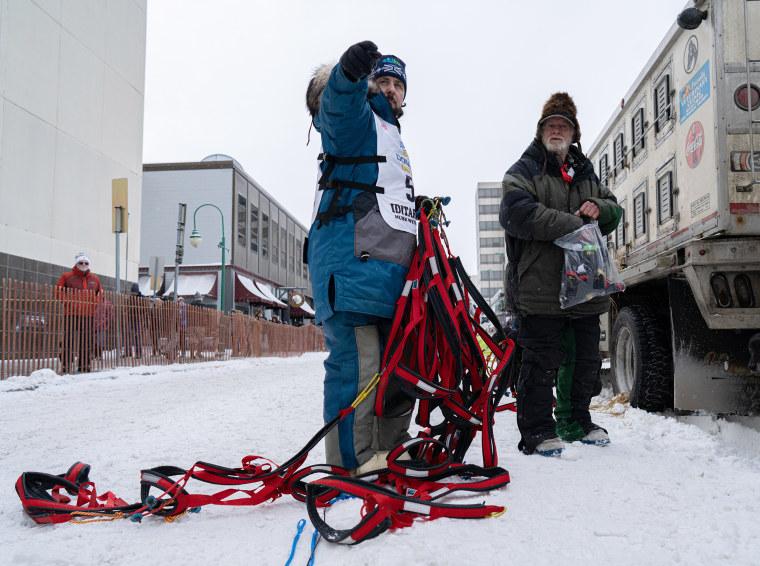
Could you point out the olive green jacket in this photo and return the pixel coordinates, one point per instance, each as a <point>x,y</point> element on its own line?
<point>537,207</point>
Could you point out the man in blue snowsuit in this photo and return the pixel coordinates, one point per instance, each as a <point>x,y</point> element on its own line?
<point>361,243</point>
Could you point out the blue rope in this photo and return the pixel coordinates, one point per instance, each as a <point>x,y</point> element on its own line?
<point>301,524</point>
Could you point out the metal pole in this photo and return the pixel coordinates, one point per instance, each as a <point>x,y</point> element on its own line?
<point>753,180</point>
<point>178,253</point>
<point>126,260</point>
<point>118,211</point>
<point>222,245</point>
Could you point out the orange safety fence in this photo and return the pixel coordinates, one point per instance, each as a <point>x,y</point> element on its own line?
<point>73,331</point>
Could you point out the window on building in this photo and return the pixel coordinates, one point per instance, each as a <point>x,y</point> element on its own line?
<point>619,153</point>
<point>665,197</point>
<point>491,275</point>
<point>242,217</point>
<point>492,242</point>
<point>662,108</point>
<point>283,246</point>
<point>264,234</point>
<point>292,253</point>
<point>299,257</point>
<point>488,209</point>
<point>639,215</point>
<point>637,131</point>
<point>275,241</point>
<point>490,193</point>
<point>254,228</point>
<point>490,225</point>
<point>604,169</point>
<point>620,230</point>
<point>492,258</point>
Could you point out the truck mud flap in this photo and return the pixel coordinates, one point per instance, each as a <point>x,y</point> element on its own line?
<point>709,366</point>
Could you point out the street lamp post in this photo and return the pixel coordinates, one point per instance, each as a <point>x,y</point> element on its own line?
<point>195,241</point>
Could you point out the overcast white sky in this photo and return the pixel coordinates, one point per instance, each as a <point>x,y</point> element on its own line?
<point>229,76</point>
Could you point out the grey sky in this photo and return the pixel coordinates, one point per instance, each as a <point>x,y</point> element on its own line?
<point>229,76</point>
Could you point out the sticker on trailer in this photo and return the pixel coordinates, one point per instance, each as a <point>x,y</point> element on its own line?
<point>690,54</point>
<point>740,161</point>
<point>700,205</point>
<point>695,93</point>
<point>695,144</point>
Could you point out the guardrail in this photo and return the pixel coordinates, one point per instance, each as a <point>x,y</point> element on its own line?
<point>72,331</point>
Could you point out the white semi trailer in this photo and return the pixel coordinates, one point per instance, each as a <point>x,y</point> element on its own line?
<point>682,155</point>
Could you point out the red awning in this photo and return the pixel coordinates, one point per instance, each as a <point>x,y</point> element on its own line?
<point>246,290</point>
<point>296,312</point>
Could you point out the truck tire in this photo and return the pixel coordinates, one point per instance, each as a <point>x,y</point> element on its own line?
<point>642,359</point>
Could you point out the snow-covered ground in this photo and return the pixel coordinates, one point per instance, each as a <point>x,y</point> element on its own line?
<point>664,492</point>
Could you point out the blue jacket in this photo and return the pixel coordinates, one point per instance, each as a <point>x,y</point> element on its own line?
<point>357,262</point>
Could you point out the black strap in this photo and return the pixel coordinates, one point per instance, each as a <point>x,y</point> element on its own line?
<point>325,217</point>
<point>358,160</point>
<point>475,295</point>
<point>337,185</point>
<point>341,184</point>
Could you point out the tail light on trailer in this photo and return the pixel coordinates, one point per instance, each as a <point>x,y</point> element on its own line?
<point>745,99</point>
<point>721,290</point>
<point>744,294</point>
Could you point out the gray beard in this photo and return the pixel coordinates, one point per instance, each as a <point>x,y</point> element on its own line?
<point>557,148</point>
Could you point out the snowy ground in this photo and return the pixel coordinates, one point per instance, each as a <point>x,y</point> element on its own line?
<point>664,492</point>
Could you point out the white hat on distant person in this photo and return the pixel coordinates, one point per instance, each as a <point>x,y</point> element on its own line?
<point>81,256</point>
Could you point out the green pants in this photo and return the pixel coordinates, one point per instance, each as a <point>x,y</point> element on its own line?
<point>573,399</point>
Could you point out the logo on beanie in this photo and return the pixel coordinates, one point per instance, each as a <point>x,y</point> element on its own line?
<point>390,65</point>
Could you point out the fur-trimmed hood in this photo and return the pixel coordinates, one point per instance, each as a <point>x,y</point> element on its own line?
<point>317,85</point>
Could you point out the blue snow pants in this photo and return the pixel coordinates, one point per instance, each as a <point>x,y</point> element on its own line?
<point>356,343</point>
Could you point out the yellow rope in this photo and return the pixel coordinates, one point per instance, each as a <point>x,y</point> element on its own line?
<point>172,518</point>
<point>100,517</point>
<point>497,513</point>
<point>370,386</point>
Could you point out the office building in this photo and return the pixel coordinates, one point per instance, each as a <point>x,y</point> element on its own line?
<point>264,242</point>
<point>490,238</point>
<point>72,78</point>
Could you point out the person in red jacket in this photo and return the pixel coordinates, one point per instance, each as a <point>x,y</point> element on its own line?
<point>78,289</point>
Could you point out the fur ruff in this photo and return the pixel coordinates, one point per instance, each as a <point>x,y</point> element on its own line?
<point>317,85</point>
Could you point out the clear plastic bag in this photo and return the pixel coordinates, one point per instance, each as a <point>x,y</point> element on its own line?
<point>589,271</point>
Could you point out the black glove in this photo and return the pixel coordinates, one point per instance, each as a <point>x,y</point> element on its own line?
<point>359,60</point>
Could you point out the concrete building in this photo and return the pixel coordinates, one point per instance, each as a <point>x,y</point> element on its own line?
<point>264,258</point>
<point>72,78</point>
<point>490,237</point>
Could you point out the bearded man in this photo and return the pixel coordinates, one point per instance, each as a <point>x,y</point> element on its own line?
<point>361,243</point>
<point>551,191</point>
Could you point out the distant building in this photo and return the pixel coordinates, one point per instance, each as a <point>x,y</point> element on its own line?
<point>72,78</point>
<point>491,248</point>
<point>264,258</point>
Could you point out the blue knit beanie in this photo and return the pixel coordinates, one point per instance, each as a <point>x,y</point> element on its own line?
<point>390,66</point>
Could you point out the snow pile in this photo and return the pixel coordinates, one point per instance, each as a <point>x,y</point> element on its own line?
<point>664,492</point>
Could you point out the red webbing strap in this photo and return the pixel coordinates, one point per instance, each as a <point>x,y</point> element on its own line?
<point>449,356</point>
<point>41,498</point>
<point>395,345</point>
<point>383,509</point>
<point>478,479</point>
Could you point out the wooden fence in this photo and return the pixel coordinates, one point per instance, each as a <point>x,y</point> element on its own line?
<point>70,331</point>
